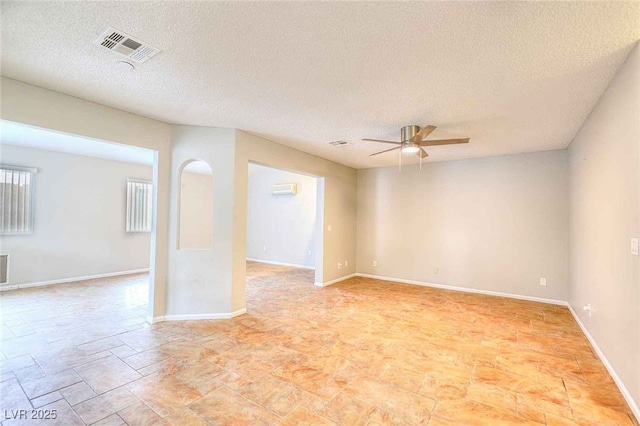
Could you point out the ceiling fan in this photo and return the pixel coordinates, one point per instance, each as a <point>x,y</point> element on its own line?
<point>412,141</point>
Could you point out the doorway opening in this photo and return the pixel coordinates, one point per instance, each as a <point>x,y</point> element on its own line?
<point>92,208</point>
<point>285,212</point>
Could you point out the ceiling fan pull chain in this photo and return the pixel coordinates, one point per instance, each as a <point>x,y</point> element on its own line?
<point>420,155</point>
<point>400,161</point>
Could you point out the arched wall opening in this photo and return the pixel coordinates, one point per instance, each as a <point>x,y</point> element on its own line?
<point>200,258</point>
<point>195,208</point>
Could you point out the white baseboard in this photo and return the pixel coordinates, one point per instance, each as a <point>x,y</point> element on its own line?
<point>337,280</point>
<point>196,317</point>
<point>465,289</point>
<point>74,279</point>
<point>623,389</point>
<point>270,262</point>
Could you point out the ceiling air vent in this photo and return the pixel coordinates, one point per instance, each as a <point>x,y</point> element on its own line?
<point>339,143</point>
<point>130,47</point>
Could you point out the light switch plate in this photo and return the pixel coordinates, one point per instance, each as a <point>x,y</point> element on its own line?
<point>634,247</point>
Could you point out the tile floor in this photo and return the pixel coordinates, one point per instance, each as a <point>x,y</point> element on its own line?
<point>358,352</point>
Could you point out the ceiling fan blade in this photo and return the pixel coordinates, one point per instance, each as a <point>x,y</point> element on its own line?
<point>422,153</point>
<point>423,133</point>
<point>382,152</point>
<point>443,142</point>
<point>380,140</point>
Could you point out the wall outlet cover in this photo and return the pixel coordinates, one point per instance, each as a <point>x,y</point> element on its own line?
<point>634,247</point>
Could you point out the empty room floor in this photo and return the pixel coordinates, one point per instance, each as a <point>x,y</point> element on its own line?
<point>358,352</point>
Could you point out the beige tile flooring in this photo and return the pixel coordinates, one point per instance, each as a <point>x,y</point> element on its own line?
<point>358,352</point>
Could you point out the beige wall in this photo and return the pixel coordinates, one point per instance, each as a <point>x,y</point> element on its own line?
<point>177,277</point>
<point>339,186</point>
<point>196,210</point>
<point>35,106</point>
<point>79,218</point>
<point>497,224</point>
<point>281,228</point>
<point>604,163</point>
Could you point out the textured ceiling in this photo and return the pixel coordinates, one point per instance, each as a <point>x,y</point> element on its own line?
<point>512,76</point>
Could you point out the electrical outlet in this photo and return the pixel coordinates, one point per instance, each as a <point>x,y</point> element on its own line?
<point>587,308</point>
<point>329,228</point>
<point>309,253</point>
<point>264,248</point>
<point>375,263</point>
<point>543,282</point>
<point>339,265</point>
<point>346,263</point>
<point>436,271</point>
<point>634,247</point>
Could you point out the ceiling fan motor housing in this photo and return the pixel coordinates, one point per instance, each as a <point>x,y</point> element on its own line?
<point>407,132</point>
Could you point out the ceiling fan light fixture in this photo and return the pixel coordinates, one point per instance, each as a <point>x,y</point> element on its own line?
<point>410,148</point>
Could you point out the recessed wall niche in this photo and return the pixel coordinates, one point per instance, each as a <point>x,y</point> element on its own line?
<point>195,228</point>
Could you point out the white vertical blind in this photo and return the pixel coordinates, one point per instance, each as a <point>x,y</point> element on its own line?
<point>16,201</point>
<point>139,204</point>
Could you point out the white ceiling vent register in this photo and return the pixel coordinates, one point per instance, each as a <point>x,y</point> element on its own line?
<point>130,47</point>
<point>284,188</point>
<point>339,143</point>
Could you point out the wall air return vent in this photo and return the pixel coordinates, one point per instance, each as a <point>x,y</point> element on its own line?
<point>339,143</point>
<point>123,44</point>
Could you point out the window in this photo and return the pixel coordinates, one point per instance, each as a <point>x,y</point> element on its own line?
<point>139,204</point>
<point>16,200</point>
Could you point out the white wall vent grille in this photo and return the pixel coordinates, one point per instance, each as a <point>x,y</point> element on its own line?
<point>123,44</point>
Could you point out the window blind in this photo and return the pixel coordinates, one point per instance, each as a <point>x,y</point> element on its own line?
<point>139,206</point>
<point>16,200</point>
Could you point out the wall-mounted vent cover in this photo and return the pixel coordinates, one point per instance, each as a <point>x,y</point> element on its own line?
<point>123,44</point>
<point>339,143</point>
